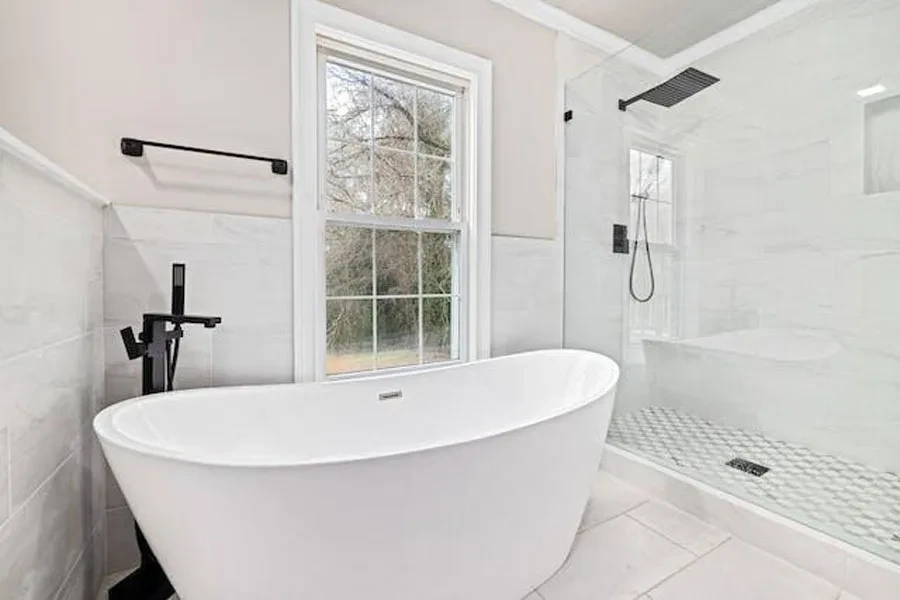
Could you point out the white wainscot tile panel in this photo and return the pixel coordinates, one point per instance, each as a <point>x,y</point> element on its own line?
<point>741,572</point>
<point>48,399</point>
<point>239,268</point>
<point>49,249</point>
<point>526,311</point>
<point>87,575</point>
<point>247,358</point>
<point>619,560</point>
<point>40,544</point>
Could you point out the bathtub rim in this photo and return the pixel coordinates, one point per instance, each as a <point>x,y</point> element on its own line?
<point>108,433</point>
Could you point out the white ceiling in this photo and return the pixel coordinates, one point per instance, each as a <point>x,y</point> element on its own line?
<point>663,27</point>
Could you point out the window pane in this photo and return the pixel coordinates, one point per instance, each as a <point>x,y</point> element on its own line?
<point>349,177</point>
<point>665,181</point>
<point>398,333</point>
<point>652,209</point>
<point>635,171</point>
<point>348,261</point>
<point>666,235</point>
<point>435,187</point>
<point>394,113</point>
<point>437,263</point>
<point>395,175</point>
<point>649,174</point>
<point>397,261</point>
<point>435,123</point>
<point>437,321</point>
<point>349,335</point>
<point>348,103</point>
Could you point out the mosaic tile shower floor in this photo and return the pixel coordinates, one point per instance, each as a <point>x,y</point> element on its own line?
<point>844,499</point>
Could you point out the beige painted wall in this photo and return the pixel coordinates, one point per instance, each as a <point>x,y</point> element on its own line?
<point>77,76</point>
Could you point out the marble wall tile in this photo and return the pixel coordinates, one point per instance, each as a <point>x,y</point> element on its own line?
<point>51,372</point>
<point>526,311</point>
<point>47,401</point>
<point>43,540</point>
<point>52,295</point>
<point>87,575</point>
<point>244,357</point>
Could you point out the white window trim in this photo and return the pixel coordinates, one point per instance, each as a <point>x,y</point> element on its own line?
<point>309,20</point>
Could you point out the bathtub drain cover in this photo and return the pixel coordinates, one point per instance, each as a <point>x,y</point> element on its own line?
<point>747,466</point>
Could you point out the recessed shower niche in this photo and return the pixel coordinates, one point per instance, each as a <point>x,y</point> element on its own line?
<point>883,145</point>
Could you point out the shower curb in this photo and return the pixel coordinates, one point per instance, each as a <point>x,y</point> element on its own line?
<point>847,567</point>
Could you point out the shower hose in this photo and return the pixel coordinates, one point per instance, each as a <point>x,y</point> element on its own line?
<point>642,223</point>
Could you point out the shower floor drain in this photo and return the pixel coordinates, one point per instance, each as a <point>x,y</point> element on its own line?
<point>748,467</point>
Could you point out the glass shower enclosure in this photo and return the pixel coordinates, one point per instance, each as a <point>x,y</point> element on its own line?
<point>767,362</point>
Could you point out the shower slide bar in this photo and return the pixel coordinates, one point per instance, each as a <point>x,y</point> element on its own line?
<point>135,147</point>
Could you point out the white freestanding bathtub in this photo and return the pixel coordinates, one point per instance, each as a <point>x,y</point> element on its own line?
<point>463,482</point>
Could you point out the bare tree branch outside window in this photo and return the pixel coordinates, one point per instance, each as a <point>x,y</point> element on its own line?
<point>390,152</point>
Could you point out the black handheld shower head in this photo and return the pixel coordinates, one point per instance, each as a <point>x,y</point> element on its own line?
<point>178,276</point>
<point>675,90</point>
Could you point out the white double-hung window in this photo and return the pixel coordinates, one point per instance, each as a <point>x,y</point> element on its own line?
<point>653,205</point>
<point>401,236</point>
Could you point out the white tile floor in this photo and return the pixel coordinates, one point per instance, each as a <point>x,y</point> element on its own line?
<point>846,500</point>
<point>634,547</point>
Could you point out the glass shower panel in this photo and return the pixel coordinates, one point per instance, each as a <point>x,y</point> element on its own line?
<point>773,336</point>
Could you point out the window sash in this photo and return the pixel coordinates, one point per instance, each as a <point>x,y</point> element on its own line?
<point>457,223</point>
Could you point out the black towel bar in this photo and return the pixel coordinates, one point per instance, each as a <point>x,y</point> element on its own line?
<point>135,147</point>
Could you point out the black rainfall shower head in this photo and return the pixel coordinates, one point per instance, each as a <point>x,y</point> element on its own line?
<point>668,94</point>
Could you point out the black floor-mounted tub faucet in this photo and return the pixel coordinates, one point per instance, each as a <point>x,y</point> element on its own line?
<point>158,347</point>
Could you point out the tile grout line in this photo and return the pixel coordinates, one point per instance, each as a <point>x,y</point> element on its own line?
<point>71,570</point>
<point>37,490</point>
<point>662,535</point>
<point>676,542</point>
<point>615,516</point>
<point>672,575</point>
<point>33,351</point>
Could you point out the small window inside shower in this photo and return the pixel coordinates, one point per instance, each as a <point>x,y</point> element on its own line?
<point>883,145</point>
<point>652,180</point>
<point>653,199</point>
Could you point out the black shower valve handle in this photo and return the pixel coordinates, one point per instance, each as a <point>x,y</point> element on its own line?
<point>133,348</point>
